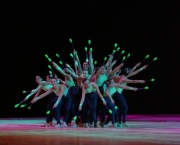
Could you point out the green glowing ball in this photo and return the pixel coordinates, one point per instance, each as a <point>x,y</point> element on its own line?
<point>115,45</point>
<point>29,107</point>
<point>48,112</point>
<point>75,117</point>
<point>122,52</point>
<point>91,49</point>
<point>114,51</point>
<point>49,66</point>
<point>95,62</point>
<point>49,59</point>
<point>146,88</point>
<point>128,55</point>
<point>70,40</point>
<point>57,55</point>
<point>46,56</point>
<point>105,58</point>
<point>89,42</point>
<point>71,55</point>
<point>23,105</point>
<point>124,57</point>
<point>50,72</point>
<point>85,48</point>
<point>155,59</point>
<point>147,56</point>
<point>24,91</point>
<point>110,111</point>
<point>118,49</point>
<point>116,107</point>
<point>152,80</point>
<point>15,106</point>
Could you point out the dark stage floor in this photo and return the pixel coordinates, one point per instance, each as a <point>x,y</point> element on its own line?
<point>143,130</point>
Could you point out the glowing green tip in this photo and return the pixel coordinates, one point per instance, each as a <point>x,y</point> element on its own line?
<point>71,55</point>
<point>91,49</point>
<point>110,111</point>
<point>146,88</point>
<point>23,105</point>
<point>75,117</point>
<point>48,112</point>
<point>124,57</point>
<point>15,106</point>
<point>128,55</point>
<point>46,56</point>
<point>115,45</point>
<point>60,62</point>
<point>49,60</point>
<point>114,51</point>
<point>147,56</point>
<point>105,58</point>
<point>116,107</point>
<point>89,42</point>
<point>155,59</point>
<point>118,49</point>
<point>49,66</point>
<point>122,52</point>
<point>95,62</point>
<point>50,72</point>
<point>24,91</point>
<point>57,55</point>
<point>29,107</point>
<point>70,40</point>
<point>85,48</point>
<point>152,80</point>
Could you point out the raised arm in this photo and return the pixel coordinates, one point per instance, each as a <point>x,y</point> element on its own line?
<point>91,66</point>
<point>137,71</point>
<point>79,64</point>
<point>59,69</point>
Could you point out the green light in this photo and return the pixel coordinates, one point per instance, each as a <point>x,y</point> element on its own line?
<point>105,58</point>
<point>50,72</point>
<point>124,57</point>
<point>152,80</point>
<point>23,105</point>
<point>70,40</point>
<point>91,49</point>
<point>155,59</point>
<point>71,55</point>
<point>24,91</point>
<point>60,62</point>
<point>49,60</point>
<point>110,111</point>
<point>114,51</point>
<point>118,49</point>
<point>46,56</point>
<point>115,45</point>
<point>95,62</point>
<point>29,107</point>
<point>85,48</point>
<point>122,52</point>
<point>128,55</point>
<point>147,56</point>
<point>75,117</point>
<point>48,112</point>
<point>15,106</point>
<point>116,107</point>
<point>49,66</point>
<point>146,88</point>
<point>89,42</point>
<point>57,55</point>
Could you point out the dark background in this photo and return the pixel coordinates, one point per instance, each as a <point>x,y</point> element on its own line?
<point>32,29</point>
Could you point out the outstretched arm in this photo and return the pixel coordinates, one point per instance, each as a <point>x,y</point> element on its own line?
<point>137,71</point>
<point>133,81</point>
<point>123,87</point>
<point>33,92</point>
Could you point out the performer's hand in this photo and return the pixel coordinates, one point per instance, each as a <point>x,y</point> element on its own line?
<point>144,67</point>
<point>135,89</point>
<point>112,101</point>
<point>55,65</point>
<point>55,105</point>
<point>76,63</point>
<point>122,64</point>
<point>114,62</point>
<point>138,64</point>
<point>34,100</point>
<point>67,65</point>
<point>104,102</point>
<point>80,108</point>
<point>143,81</point>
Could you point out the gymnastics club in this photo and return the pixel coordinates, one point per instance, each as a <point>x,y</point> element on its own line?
<point>70,40</point>
<point>49,59</point>
<point>57,55</point>
<point>48,112</point>
<point>105,58</point>
<point>26,92</point>
<point>153,60</point>
<point>75,117</point>
<point>127,57</point>
<point>151,80</point>
<point>95,62</point>
<point>147,56</point>
<point>110,111</point>
<point>145,88</point>
<point>86,54</point>
<point>23,105</point>
<point>122,52</point>
<point>124,57</point>
<point>15,106</point>
<point>72,56</point>
<point>114,51</point>
<point>89,42</point>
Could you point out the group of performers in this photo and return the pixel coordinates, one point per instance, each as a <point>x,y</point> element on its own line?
<point>87,92</point>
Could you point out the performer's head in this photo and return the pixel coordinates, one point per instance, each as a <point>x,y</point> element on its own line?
<point>38,79</point>
<point>86,82</point>
<point>103,69</point>
<point>85,73</point>
<point>126,71</point>
<point>54,82</point>
<point>85,65</point>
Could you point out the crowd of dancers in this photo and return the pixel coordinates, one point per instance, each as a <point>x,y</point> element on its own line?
<point>87,92</point>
